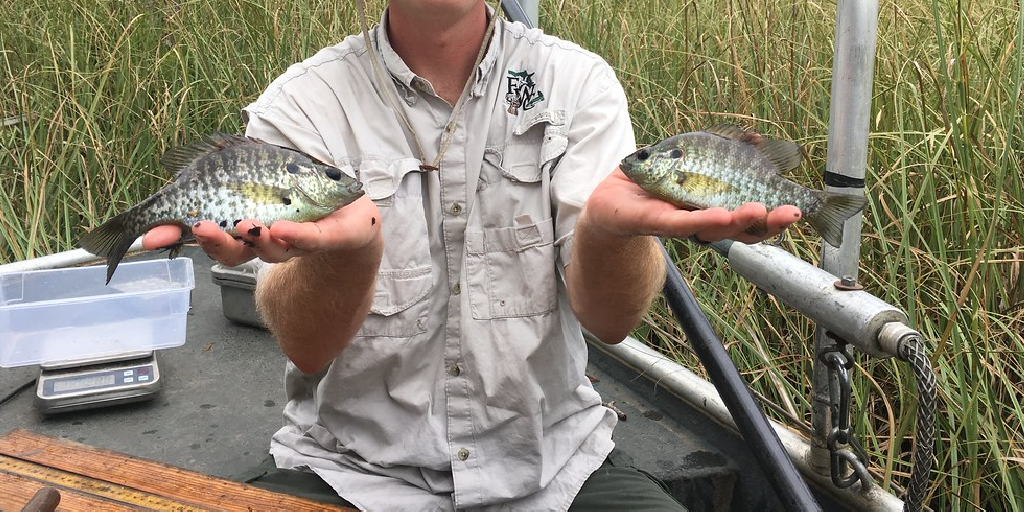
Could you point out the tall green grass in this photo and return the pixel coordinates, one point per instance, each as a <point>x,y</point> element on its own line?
<point>944,232</point>
<point>94,92</point>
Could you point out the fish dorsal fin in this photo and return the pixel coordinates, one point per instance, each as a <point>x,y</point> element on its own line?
<point>783,154</point>
<point>179,158</point>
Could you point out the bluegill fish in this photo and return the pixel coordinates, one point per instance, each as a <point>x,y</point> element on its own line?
<point>227,178</point>
<point>727,166</point>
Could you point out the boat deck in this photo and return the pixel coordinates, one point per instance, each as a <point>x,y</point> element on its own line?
<point>222,398</point>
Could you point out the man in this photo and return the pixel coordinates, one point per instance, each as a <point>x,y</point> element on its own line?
<point>433,325</point>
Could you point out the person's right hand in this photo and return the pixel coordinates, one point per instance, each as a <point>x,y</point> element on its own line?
<point>350,228</point>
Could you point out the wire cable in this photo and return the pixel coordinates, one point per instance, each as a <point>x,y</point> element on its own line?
<point>17,391</point>
<point>912,351</point>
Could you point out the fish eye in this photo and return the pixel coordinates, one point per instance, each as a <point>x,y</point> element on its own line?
<point>676,153</point>
<point>333,173</point>
<point>643,154</point>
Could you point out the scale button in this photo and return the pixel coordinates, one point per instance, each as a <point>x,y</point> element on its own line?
<point>128,379</point>
<point>143,378</point>
<point>129,373</point>
<point>144,370</point>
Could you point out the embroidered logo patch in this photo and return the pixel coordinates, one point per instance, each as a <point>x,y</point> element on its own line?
<point>522,92</point>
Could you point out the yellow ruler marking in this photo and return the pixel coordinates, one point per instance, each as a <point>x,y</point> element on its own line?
<point>108,490</point>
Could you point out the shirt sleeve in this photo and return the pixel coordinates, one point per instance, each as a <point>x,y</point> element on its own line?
<point>600,135</point>
<point>279,118</point>
<point>314,107</point>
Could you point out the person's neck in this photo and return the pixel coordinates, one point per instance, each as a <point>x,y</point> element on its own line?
<point>439,48</point>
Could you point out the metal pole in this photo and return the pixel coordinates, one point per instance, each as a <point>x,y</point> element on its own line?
<point>856,316</point>
<point>848,127</point>
<point>60,260</point>
<point>764,443</point>
<point>523,11</point>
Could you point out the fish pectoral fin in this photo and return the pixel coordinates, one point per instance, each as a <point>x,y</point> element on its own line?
<point>258,192</point>
<point>308,198</point>
<point>702,184</point>
<point>783,154</point>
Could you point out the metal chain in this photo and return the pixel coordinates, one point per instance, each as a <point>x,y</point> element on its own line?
<point>848,459</point>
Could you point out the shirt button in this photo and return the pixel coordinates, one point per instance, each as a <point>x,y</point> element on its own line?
<point>455,370</point>
<point>463,454</point>
<point>456,209</point>
<point>457,289</point>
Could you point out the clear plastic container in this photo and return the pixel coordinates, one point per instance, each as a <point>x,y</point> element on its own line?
<point>47,316</point>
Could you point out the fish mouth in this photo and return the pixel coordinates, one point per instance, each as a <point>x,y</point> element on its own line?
<point>632,161</point>
<point>356,188</point>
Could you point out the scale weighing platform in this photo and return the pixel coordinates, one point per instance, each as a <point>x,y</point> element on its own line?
<point>99,382</point>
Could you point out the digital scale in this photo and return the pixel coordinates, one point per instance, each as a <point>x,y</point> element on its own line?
<point>97,382</point>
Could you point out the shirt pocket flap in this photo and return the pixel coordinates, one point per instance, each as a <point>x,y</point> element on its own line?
<point>555,133</point>
<point>398,290</point>
<point>551,116</point>
<point>529,150</point>
<point>381,180</point>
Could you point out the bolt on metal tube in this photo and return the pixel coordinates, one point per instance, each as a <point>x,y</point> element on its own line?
<point>843,310</point>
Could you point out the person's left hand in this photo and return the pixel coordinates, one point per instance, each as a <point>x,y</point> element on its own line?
<point>618,206</point>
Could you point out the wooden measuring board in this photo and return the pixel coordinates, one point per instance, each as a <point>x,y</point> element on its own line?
<point>95,479</point>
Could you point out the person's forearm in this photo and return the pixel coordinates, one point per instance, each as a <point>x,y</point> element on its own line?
<point>314,305</point>
<point>612,279</point>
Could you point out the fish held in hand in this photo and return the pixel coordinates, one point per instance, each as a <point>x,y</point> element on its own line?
<point>227,178</point>
<point>727,166</point>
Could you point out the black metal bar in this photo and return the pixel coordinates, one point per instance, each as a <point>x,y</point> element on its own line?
<point>753,425</point>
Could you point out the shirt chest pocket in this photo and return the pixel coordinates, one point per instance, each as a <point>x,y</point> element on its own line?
<point>401,293</point>
<point>510,252</point>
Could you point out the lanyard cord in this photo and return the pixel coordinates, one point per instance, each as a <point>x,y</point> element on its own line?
<point>392,97</point>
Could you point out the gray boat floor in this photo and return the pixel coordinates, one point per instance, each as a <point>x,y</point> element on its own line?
<point>222,398</point>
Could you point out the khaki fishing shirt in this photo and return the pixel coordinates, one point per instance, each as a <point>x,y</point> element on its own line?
<point>465,386</point>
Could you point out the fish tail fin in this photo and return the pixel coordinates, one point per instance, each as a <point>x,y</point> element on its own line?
<point>111,239</point>
<point>836,208</point>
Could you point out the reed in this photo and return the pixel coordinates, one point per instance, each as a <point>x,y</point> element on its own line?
<point>94,92</point>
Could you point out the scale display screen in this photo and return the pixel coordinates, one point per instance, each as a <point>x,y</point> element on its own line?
<point>97,380</point>
<point>79,383</point>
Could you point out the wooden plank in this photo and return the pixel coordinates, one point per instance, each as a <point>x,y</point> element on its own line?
<point>98,488</point>
<point>149,476</point>
<point>16,491</point>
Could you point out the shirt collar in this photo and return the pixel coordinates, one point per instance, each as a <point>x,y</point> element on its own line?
<point>401,73</point>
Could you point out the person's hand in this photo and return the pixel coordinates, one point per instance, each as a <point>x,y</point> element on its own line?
<point>620,207</point>
<point>349,228</point>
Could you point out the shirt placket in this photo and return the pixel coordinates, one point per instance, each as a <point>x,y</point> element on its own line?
<point>458,382</point>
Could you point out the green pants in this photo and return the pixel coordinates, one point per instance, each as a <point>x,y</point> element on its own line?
<point>612,487</point>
